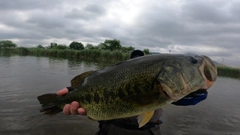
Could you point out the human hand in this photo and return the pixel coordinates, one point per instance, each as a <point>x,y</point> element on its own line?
<point>73,108</point>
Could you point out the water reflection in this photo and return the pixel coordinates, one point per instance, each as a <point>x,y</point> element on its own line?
<point>23,78</point>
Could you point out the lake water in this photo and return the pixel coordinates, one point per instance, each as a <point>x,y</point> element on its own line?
<point>23,78</point>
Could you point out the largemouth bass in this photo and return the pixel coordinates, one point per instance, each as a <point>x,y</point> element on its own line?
<point>135,87</point>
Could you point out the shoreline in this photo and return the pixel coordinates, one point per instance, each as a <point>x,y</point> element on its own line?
<point>98,55</point>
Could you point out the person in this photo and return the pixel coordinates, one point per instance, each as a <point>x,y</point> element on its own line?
<point>129,126</point>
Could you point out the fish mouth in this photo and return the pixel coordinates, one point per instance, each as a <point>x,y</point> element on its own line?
<point>208,71</point>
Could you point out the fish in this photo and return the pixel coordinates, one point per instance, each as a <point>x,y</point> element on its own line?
<point>135,87</point>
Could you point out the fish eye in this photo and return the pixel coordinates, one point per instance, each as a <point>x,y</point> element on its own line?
<point>193,60</point>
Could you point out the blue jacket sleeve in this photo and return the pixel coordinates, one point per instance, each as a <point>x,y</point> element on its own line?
<point>192,98</point>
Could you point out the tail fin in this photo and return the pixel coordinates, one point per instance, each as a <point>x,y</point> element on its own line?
<point>49,104</point>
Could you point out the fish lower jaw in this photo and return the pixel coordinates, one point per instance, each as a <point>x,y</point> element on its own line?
<point>207,85</point>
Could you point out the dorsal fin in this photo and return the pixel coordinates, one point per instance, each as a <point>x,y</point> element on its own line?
<point>77,80</point>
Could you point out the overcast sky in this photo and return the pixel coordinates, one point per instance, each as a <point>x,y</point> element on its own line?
<point>207,27</point>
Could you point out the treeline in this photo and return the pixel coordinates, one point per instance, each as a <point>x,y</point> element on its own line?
<point>110,45</point>
<point>228,72</point>
<point>108,50</point>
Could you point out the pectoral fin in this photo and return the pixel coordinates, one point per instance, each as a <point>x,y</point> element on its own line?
<point>77,80</point>
<point>144,118</point>
<point>91,119</point>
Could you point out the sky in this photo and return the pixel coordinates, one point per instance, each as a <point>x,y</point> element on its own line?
<point>203,27</point>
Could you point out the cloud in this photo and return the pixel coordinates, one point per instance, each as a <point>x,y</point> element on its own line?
<point>87,13</point>
<point>25,5</point>
<point>209,27</point>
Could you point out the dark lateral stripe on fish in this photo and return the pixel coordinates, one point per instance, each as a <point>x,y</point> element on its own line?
<point>96,97</point>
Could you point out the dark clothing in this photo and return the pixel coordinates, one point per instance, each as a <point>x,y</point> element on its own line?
<point>129,126</point>
<point>136,53</point>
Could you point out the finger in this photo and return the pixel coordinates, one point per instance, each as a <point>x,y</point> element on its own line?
<point>74,107</point>
<point>66,109</point>
<point>62,92</point>
<point>82,111</point>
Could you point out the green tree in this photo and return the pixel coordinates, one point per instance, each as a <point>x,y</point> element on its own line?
<point>7,43</point>
<point>61,47</point>
<point>146,51</point>
<point>76,46</point>
<point>127,49</point>
<point>110,45</point>
<point>40,46</point>
<point>53,45</point>
<point>102,46</point>
<point>89,46</point>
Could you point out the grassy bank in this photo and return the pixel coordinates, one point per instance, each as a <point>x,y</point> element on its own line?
<point>95,54</point>
<point>228,72</point>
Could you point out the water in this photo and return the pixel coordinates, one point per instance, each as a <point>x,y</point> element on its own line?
<point>23,78</point>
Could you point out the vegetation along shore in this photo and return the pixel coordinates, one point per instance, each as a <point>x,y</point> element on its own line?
<point>109,50</point>
<point>229,72</point>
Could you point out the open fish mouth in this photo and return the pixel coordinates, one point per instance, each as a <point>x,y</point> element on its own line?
<point>208,71</point>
